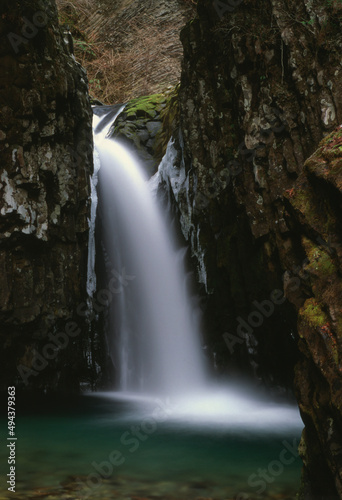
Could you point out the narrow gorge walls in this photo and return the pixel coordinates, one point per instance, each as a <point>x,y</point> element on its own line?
<point>261,86</point>
<point>46,161</point>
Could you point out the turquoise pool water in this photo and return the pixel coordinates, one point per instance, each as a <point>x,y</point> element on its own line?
<point>109,446</point>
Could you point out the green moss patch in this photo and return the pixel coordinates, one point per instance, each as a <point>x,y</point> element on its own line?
<point>170,119</point>
<point>313,314</point>
<point>145,107</point>
<point>326,162</point>
<point>321,263</point>
<point>303,199</point>
<point>147,123</point>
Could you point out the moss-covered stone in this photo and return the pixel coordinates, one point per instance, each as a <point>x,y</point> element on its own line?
<point>321,262</point>
<point>326,162</point>
<point>147,124</point>
<point>313,314</point>
<point>145,106</point>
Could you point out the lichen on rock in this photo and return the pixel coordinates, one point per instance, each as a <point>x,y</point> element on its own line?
<point>46,161</point>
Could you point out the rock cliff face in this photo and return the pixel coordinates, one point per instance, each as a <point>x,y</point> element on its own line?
<point>46,161</point>
<point>315,215</point>
<point>261,86</point>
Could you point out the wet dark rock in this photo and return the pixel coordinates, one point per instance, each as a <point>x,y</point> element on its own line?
<point>260,89</point>
<point>153,128</point>
<point>46,160</point>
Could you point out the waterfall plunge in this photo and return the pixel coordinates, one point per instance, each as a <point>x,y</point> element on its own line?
<point>158,339</point>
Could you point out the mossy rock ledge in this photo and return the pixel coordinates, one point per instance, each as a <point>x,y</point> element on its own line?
<point>146,125</point>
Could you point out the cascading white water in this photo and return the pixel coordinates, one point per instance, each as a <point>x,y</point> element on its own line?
<point>158,338</point>
<point>157,341</point>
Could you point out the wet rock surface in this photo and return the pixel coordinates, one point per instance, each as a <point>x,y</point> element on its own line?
<point>261,86</point>
<point>46,161</point>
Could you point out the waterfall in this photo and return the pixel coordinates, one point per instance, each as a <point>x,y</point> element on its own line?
<point>154,326</point>
<point>156,329</point>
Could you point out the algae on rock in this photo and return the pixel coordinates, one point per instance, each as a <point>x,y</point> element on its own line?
<point>146,125</point>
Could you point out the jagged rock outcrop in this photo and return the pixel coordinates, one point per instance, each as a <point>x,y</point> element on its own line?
<point>315,216</point>
<point>46,162</point>
<point>261,86</point>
